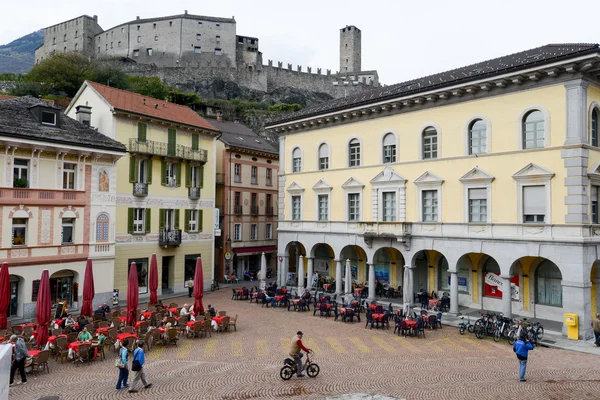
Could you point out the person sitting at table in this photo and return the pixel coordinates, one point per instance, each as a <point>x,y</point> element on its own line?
<point>269,300</point>
<point>106,308</point>
<point>233,277</point>
<point>100,311</point>
<point>247,275</point>
<point>212,311</point>
<point>82,324</point>
<point>69,321</point>
<point>84,335</point>
<point>184,310</point>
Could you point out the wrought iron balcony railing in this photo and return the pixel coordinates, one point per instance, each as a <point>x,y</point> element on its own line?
<point>237,210</point>
<point>164,149</point>
<point>140,189</point>
<point>194,193</point>
<point>169,238</point>
<point>254,210</point>
<point>269,210</point>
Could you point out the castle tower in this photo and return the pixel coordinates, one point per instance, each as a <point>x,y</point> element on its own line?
<point>350,49</point>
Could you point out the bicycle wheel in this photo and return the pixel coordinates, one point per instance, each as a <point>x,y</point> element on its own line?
<point>286,373</point>
<point>471,328</point>
<point>511,337</point>
<point>212,287</point>
<point>539,332</point>
<point>313,370</point>
<point>480,332</point>
<point>497,335</point>
<point>462,330</point>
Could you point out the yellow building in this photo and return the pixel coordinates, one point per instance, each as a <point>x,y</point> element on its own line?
<point>481,179</point>
<point>165,188</point>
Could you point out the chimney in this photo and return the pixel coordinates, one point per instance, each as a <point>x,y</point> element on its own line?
<point>84,114</point>
<point>96,18</point>
<point>137,17</point>
<point>186,12</point>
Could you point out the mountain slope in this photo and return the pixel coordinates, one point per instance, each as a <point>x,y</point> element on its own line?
<point>18,55</point>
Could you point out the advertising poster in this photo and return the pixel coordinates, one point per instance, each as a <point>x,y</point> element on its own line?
<point>382,274</point>
<point>493,286</point>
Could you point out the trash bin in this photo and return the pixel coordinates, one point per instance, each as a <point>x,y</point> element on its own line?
<point>572,323</point>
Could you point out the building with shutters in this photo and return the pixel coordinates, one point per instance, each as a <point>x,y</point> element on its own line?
<point>57,203</point>
<point>166,189</point>
<point>481,180</point>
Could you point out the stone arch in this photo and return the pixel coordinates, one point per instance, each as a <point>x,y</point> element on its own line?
<point>323,259</point>
<point>65,286</point>
<point>358,260</point>
<point>389,266</point>
<point>69,212</point>
<point>294,250</point>
<point>426,263</point>
<point>17,296</point>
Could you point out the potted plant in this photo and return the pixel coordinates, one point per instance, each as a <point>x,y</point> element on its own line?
<point>20,183</point>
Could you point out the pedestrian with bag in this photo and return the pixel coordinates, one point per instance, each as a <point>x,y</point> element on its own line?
<point>596,328</point>
<point>190,285</point>
<point>20,354</point>
<point>137,366</point>
<point>521,348</point>
<point>121,363</point>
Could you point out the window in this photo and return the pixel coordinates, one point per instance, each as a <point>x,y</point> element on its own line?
<point>218,26</point>
<point>197,50</point>
<point>296,208</point>
<point>76,34</point>
<point>156,38</point>
<point>238,197</point>
<point>69,175</point>
<point>122,30</point>
<point>65,38</point>
<point>534,204</point>
<point>323,200</point>
<point>53,40</point>
<point>198,36</point>
<point>102,224</point>
<point>296,160</point>
<point>253,232</point>
<point>154,26</point>
<point>218,38</point>
<point>533,130</point>
<point>430,205</point>
<point>139,39</point>
<point>136,53</point>
<point>430,143</point>
<point>269,177</point>
<point>170,23</point>
<point>119,43</point>
<point>171,174</point>
<point>138,28</point>
<point>111,45</point>
<point>254,177</point>
<point>19,231</point>
<point>138,220</point>
<point>149,52</point>
<point>237,173</point>
<point>254,204</point>
<point>389,148</point>
<point>67,230</point>
<point>21,173</point>
<point>77,46</point>
<point>48,118</point>
<point>354,153</point>
<point>594,128</point>
<point>144,167</point>
<point>323,157</point>
<point>218,52</point>
<point>389,206</point>
<point>478,205</point>
<point>477,137</point>
<point>105,47</point>
<point>594,202</point>
<point>193,221</point>
<point>142,270</point>
<point>353,207</point>
<point>237,232</point>
<point>268,231</point>
<point>548,284</point>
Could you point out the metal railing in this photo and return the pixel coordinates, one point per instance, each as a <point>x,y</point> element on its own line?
<point>164,149</point>
<point>237,210</point>
<point>269,210</point>
<point>194,193</point>
<point>169,238</point>
<point>254,210</point>
<point>140,189</point>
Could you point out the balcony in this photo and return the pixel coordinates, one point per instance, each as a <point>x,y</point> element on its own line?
<point>194,193</point>
<point>171,182</point>
<point>254,210</point>
<point>164,150</point>
<point>237,210</point>
<point>140,189</point>
<point>169,238</point>
<point>12,196</point>
<point>269,211</point>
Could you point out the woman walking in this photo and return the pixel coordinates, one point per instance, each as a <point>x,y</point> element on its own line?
<point>123,367</point>
<point>138,366</point>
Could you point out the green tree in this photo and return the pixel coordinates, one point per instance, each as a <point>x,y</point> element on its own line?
<point>185,99</point>
<point>63,73</point>
<point>112,77</point>
<point>28,89</point>
<point>152,87</point>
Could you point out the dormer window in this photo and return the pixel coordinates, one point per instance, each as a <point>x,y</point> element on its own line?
<point>48,118</point>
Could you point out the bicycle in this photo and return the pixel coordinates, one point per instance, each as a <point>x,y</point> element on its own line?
<point>465,326</point>
<point>214,286</point>
<point>503,330</point>
<point>290,368</point>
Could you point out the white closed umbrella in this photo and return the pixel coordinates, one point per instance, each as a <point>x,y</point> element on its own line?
<point>263,271</point>
<point>348,278</point>
<point>407,296</point>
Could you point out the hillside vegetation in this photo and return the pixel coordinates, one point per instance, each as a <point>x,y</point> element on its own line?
<point>18,56</point>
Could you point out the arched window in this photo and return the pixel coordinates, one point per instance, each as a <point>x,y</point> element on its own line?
<point>594,128</point>
<point>297,160</point>
<point>389,148</point>
<point>430,143</point>
<point>477,137</point>
<point>323,156</point>
<point>102,223</point>
<point>354,153</point>
<point>533,130</point>
<point>548,287</point>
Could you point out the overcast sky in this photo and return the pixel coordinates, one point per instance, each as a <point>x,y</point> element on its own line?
<point>401,39</point>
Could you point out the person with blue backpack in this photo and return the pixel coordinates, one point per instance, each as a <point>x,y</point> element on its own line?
<point>521,348</point>
<point>137,366</point>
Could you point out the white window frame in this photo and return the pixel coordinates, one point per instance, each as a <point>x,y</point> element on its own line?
<point>141,223</point>
<point>299,159</point>
<point>328,157</point>
<point>394,211</point>
<point>253,231</point>
<point>67,222</point>
<point>237,173</point>
<point>12,232</point>
<point>488,134</point>
<point>326,197</point>
<point>437,205</point>
<point>268,231</point>
<point>171,174</point>
<point>193,222</point>
<point>20,168</point>
<point>322,188</point>
<point>237,232</point>
<point>477,179</point>
<point>254,175</point>
<point>520,120</point>
<point>534,175</point>
<point>359,158</point>
<point>142,171</point>
<point>353,186</point>
<point>66,173</point>
<point>299,199</point>
<point>439,140</point>
<point>429,181</point>
<point>594,106</point>
<point>389,180</point>
<point>268,177</point>
<point>295,190</point>
<point>383,136</point>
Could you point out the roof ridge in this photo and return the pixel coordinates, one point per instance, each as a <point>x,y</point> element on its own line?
<point>137,94</point>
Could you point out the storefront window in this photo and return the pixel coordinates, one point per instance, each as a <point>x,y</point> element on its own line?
<point>322,260</point>
<point>61,287</point>
<point>14,296</point>
<point>444,276</point>
<point>548,284</point>
<point>190,267</point>
<point>142,270</point>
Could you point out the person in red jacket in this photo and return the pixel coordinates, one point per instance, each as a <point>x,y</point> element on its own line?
<point>295,347</point>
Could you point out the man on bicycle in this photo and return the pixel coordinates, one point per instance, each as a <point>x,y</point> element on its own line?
<point>295,347</point>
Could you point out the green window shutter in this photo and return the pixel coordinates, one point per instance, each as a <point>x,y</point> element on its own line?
<point>177,219</point>
<point>141,132</point>
<point>163,173</point>
<point>148,220</point>
<point>201,175</point>
<point>200,220</point>
<point>178,174</point>
<point>186,221</point>
<point>149,173</point>
<point>172,143</point>
<point>133,169</point>
<point>161,219</point>
<point>195,141</point>
<point>130,220</point>
<point>188,175</point>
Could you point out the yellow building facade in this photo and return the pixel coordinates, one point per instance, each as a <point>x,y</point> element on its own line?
<point>477,179</point>
<point>165,188</point>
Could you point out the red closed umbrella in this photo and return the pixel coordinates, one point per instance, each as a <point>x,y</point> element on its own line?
<point>43,309</point>
<point>88,289</point>
<point>4,295</point>
<point>132,295</point>
<point>198,287</point>
<point>153,280</point>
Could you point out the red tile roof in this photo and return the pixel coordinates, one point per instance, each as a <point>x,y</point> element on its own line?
<point>6,97</point>
<point>134,103</point>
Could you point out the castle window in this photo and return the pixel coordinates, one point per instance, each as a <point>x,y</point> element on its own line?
<point>170,23</point>
<point>240,40</point>
<point>197,50</point>
<point>218,52</point>
<point>136,53</point>
<point>252,41</point>
<point>198,36</point>
<point>65,37</point>
<point>138,27</point>
<point>98,49</point>
<point>477,137</point>
<point>119,43</point>
<point>76,34</point>
<point>122,30</point>
<point>156,38</point>
<point>53,40</point>
<point>218,26</point>
<point>389,148</point>
<point>65,50</point>
<point>154,26</point>
<point>218,38</point>
<point>111,45</point>
<point>76,46</point>
<point>199,23</point>
<point>139,39</point>
<point>105,46</point>
<point>149,52</point>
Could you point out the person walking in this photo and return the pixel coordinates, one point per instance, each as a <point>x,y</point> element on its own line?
<point>138,367</point>
<point>190,286</point>
<point>123,368</point>
<point>19,356</point>
<point>596,327</point>
<point>522,347</point>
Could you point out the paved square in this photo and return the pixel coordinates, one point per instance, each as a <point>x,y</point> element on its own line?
<point>245,364</point>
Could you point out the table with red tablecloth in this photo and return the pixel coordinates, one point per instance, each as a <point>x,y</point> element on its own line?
<point>103,330</point>
<point>122,336</point>
<point>279,298</point>
<point>327,305</point>
<point>173,310</point>
<point>34,353</point>
<point>373,307</point>
<point>411,324</point>
<point>52,339</point>
<point>377,317</point>
<point>326,286</point>
<point>357,291</point>
<point>147,314</point>
<point>218,319</point>
<point>434,303</point>
<point>122,318</point>
<point>34,326</point>
<point>240,292</point>
<point>58,321</point>
<point>138,323</point>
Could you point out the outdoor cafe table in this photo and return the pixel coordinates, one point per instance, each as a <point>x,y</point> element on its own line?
<point>122,336</point>
<point>34,353</point>
<point>103,330</point>
<point>218,319</point>
<point>326,286</point>
<point>411,324</point>
<point>357,291</point>
<point>279,298</point>
<point>146,314</point>
<point>74,348</point>
<point>173,310</point>
<point>51,339</point>
<point>434,303</point>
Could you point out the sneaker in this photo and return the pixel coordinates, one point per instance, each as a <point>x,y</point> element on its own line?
<point>148,386</point>
<point>300,376</point>
<point>132,391</point>
<point>122,388</point>
<point>125,385</point>
<point>523,380</point>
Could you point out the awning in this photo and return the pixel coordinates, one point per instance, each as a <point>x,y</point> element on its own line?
<point>260,249</point>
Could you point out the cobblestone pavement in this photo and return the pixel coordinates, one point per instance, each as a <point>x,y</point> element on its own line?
<point>245,364</point>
